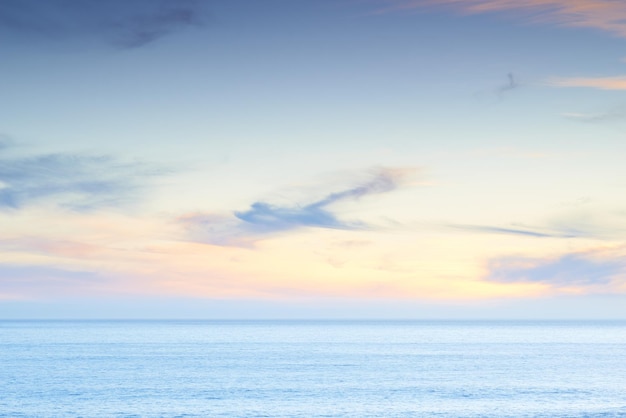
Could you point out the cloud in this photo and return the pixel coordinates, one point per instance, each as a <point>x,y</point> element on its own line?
<point>123,23</point>
<point>275,218</point>
<point>577,269</point>
<point>510,85</point>
<point>601,83</point>
<point>589,223</point>
<point>580,220</point>
<point>501,90</point>
<point>264,218</point>
<point>50,247</point>
<point>20,281</point>
<point>614,114</point>
<point>75,181</point>
<point>28,281</point>
<point>606,15</point>
<point>515,231</point>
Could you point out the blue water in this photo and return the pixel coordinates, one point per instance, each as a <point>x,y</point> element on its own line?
<point>312,369</point>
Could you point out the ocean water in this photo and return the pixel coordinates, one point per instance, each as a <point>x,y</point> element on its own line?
<point>312,369</point>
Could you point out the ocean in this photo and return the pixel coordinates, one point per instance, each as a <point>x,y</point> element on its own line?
<point>312,369</point>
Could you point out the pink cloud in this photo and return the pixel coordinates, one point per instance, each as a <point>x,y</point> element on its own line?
<point>602,83</point>
<point>606,15</point>
<point>62,248</point>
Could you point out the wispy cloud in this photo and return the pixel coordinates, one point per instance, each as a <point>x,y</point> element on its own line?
<point>50,247</point>
<point>615,114</point>
<point>579,218</point>
<point>529,232</point>
<point>606,15</point>
<point>499,89</point>
<point>76,181</point>
<point>19,281</point>
<point>510,85</point>
<point>123,23</point>
<point>601,83</point>
<point>586,222</point>
<point>264,218</point>
<point>570,270</point>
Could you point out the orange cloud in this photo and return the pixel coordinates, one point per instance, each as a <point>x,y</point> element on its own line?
<point>602,83</point>
<point>607,15</point>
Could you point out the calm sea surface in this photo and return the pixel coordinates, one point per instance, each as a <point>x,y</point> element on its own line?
<point>312,369</point>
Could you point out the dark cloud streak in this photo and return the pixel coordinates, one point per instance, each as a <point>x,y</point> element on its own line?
<point>122,23</point>
<point>511,85</point>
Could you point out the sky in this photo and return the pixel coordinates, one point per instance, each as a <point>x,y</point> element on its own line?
<point>231,159</point>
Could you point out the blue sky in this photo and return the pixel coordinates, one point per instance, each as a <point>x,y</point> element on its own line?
<point>379,158</point>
